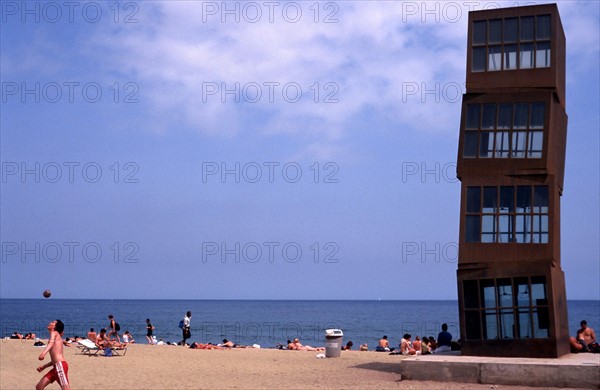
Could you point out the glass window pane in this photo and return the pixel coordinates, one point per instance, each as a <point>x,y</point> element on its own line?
<point>473,116</point>
<point>487,293</point>
<point>473,199</point>
<point>486,146</point>
<point>479,32</point>
<point>523,228</point>
<point>507,324</point>
<point>473,324</point>
<point>505,229</point>
<point>495,31</point>
<point>488,121</point>
<point>526,57</point>
<point>519,141</point>
<point>470,147</point>
<point>543,27</point>
<point>510,57</point>
<point>505,298</point>
<point>542,55</point>
<point>507,199</point>
<point>538,290</point>
<point>537,116</point>
<point>471,295</point>
<point>524,324</point>
<point>510,29</point>
<point>522,290</point>
<point>502,144</point>
<point>488,229</point>
<point>490,327</point>
<point>540,199</point>
<point>527,28</point>
<point>490,200</point>
<point>536,142</point>
<point>473,232</point>
<point>523,199</point>
<point>540,229</point>
<point>505,116</point>
<point>478,59</point>
<point>521,116</point>
<point>494,58</point>
<point>541,321</point>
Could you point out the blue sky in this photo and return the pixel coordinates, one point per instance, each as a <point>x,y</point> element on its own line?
<point>284,150</point>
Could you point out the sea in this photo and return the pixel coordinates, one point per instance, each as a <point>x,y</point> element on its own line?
<point>248,322</point>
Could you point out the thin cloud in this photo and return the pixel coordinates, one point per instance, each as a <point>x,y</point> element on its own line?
<point>364,60</point>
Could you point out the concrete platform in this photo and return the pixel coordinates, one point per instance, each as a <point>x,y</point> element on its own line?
<point>572,370</point>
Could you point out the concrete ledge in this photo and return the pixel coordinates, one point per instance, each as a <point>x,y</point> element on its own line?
<point>572,370</point>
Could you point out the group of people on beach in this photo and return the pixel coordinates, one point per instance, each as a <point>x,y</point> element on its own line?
<point>110,338</point>
<point>60,368</point>
<point>419,346</point>
<point>18,336</point>
<point>585,341</point>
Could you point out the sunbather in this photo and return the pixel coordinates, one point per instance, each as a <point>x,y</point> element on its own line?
<point>92,335</point>
<point>406,346</point>
<point>384,345</point>
<point>197,345</point>
<point>102,341</point>
<point>16,336</point>
<point>417,344</point>
<point>128,338</point>
<point>297,346</point>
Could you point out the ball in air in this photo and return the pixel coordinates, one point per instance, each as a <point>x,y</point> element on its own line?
<point>46,293</point>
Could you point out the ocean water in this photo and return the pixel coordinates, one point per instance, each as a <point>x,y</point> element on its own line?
<point>247,322</point>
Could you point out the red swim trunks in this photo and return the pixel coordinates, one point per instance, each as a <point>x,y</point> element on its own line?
<point>59,373</point>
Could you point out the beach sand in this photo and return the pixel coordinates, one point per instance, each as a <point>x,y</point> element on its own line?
<point>172,367</point>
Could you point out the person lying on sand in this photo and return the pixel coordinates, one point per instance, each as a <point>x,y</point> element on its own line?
<point>297,346</point>
<point>197,345</point>
<point>231,344</point>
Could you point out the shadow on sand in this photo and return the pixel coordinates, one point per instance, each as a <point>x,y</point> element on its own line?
<point>393,368</point>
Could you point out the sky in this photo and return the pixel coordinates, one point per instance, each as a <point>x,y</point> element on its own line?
<point>256,150</point>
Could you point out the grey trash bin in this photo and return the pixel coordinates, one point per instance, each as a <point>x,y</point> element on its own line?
<point>333,342</point>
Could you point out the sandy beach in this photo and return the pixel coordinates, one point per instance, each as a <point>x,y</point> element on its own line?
<point>171,367</point>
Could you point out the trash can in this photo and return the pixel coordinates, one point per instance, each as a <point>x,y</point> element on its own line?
<point>333,342</point>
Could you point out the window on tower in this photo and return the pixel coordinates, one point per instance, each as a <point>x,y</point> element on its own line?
<point>511,43</point>
<point>504,130</point>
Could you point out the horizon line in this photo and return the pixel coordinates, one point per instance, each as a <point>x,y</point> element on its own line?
<point>246,299</point>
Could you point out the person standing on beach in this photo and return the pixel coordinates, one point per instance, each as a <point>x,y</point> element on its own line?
<point>187,320</point>
<point>114,328</point>
<point>60,368</point>
<point>149,329</point>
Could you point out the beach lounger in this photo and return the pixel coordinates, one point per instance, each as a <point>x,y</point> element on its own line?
<point>88,347</point>
<point>117,351</point>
